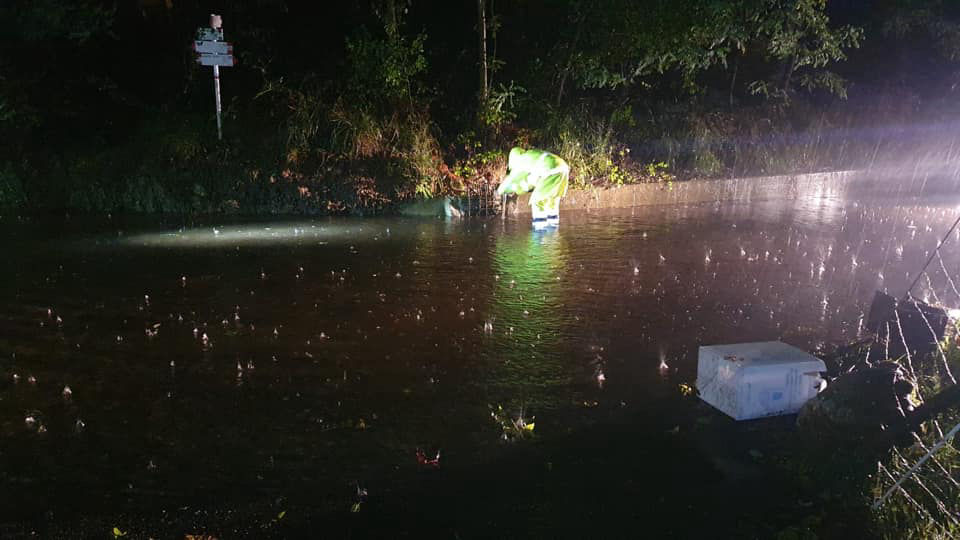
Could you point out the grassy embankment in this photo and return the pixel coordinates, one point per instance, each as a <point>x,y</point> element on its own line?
<point>290,150</point>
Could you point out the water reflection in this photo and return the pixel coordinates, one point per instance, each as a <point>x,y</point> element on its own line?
<point>527,317</point>
<point>326,351</point>
<point>317,232</point>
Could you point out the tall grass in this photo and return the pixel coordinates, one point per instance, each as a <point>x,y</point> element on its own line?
<point>928,506</point>
<point>315,148</point>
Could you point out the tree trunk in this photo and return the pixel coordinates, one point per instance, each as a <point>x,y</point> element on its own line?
<point>733,80</point>
<point>573,51</point>
<point>390,19</point>
<point>482,29</point>
<point>791,67</point>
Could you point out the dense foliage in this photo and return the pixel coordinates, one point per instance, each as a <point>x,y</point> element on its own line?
<point>358,105</point>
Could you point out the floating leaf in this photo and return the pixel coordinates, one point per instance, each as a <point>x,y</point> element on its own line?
<point>281,514</point>
<point>529,427</point>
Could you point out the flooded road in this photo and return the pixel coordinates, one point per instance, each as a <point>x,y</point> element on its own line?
<point>153,366</point>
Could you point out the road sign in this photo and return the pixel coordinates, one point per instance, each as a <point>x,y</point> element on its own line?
<point>209,34</point>
<point>224,60</point>
<point>214,51</point>
<point>212,47</point>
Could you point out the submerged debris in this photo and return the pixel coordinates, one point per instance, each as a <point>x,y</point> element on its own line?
<point>361,497</point>
<point>512,428</point>
<point>427,462</point>
<point>907,324</point>
<point>859,405</point>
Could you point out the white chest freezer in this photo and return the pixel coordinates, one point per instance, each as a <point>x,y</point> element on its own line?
<point>751,380</point>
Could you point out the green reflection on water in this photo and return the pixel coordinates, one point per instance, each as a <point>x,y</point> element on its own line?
<point>526,310</point>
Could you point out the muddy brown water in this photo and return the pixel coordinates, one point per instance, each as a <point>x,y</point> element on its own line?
<point>229,362</point>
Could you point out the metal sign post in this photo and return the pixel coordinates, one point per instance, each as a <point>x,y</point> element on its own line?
<point>212,50</point>
<point>216,94</point>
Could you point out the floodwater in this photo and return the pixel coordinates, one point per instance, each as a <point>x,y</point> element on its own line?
<point>148,367</point>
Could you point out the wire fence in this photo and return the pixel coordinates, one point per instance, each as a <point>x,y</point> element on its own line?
<point>480,198</point>
<point>918,487</point>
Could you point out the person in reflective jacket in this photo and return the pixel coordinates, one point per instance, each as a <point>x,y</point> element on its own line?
<point>545,174</point>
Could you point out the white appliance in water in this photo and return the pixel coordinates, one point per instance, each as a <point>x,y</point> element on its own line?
<point>752,380</point>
